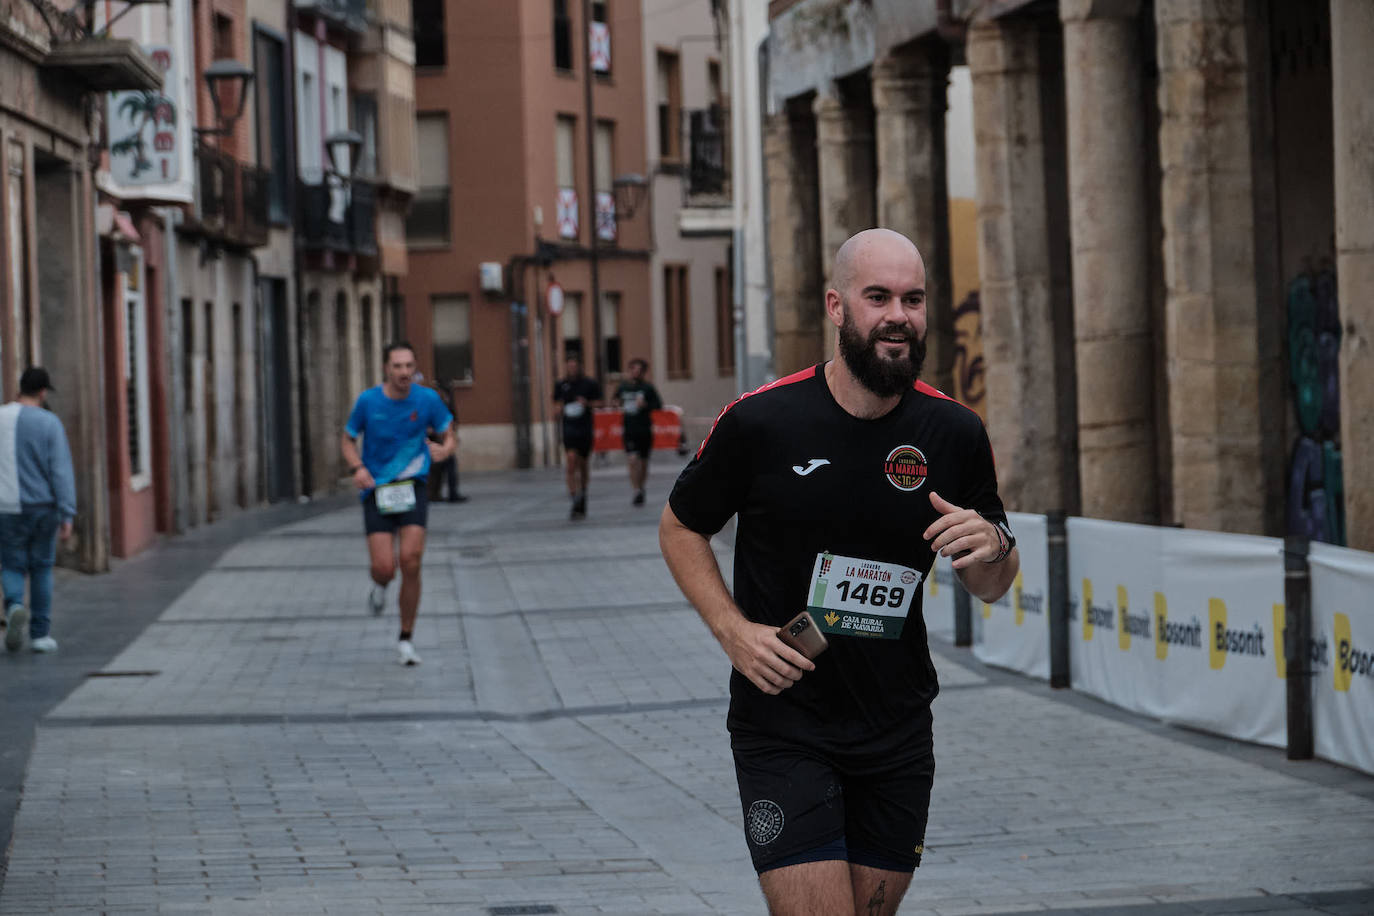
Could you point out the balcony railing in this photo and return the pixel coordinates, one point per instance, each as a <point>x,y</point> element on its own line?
<point>231,199</point>
<point>338,217</point>
<point>708,157</point>
<point>351,14</point>
<point>362,217</point>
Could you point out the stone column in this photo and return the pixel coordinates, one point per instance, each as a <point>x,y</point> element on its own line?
<point>1027,312</point>
<point>1211,316</point>
<point>1352,73</point>
<point>1111,275</point>
<point>845,160</point>
<point>793,243</point>
<point>912,190</point>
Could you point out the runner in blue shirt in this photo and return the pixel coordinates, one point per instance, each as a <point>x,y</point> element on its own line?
<point>394,420</point>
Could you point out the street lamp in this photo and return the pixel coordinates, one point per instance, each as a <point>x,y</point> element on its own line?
<point>229,77</point>
<point>628,190</point>
<point>343,147</point>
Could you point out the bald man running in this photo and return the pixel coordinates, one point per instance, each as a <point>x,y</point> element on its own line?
<point>847,479</point>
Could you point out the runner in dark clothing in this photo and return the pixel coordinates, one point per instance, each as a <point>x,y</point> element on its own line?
<point>847,478</point>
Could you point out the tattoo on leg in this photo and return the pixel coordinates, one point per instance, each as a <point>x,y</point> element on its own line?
<point>875,903</point>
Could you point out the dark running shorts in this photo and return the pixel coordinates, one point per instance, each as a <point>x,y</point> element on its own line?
<point>580,444</point>
<point>374,522</point>
<point>639,444</point>
<point>802,806</point>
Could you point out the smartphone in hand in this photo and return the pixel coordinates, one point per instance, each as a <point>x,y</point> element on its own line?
<point>802,634</point>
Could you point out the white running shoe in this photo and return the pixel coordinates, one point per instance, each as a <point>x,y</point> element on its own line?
<point>408,656</point>
<point>44,644</point>
<point>16,627</point>
<point>376,599</point>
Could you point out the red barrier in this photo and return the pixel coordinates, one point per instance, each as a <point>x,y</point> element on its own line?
<point>609,433</point>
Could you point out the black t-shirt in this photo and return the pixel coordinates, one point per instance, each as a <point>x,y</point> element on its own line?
<point>577,418</point>
<point>639,420</point>
<point>806,477</point>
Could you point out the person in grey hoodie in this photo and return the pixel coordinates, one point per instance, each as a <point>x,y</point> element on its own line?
<point>37,505</point>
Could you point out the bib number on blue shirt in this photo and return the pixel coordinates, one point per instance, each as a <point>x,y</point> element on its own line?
<point>393,498</point>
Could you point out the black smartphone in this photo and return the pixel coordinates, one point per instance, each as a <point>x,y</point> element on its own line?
<point>802,634</point>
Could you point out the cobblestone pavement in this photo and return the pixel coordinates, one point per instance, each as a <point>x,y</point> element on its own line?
<point>256,749</point>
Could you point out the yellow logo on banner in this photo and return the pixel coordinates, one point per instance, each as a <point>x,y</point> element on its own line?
<point>1341,672</point>
<point>1161,626</point>
<point>1123,634</point>
<point>1280,631</point>
<point>1016,599</point>
<point>1087,610</point>
<point>987,610</point>
<point>1216,630</point>
<point>934,582</point>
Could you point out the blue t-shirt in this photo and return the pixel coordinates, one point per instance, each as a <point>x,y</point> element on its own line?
<point>393,431</point>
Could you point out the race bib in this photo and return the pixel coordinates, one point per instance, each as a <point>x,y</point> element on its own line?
<point>574,409</point>
<point>395,497</point>
<point>630,404</point>
<point>850,596</point>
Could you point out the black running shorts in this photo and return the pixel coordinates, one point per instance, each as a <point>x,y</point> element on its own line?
<point>801,805</point>
<point>581,444</point>
<point>639,443</point>
<point>375,522</point>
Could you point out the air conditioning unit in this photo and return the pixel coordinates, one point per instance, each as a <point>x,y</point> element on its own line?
<point>491,277</point>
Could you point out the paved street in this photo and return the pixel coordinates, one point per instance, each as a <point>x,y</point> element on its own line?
<point>248,744</point>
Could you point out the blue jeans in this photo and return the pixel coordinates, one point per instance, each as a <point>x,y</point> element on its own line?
<point>28,547</point>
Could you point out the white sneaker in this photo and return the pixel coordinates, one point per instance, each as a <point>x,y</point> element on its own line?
<point>408,656</point>
<point>44,644</point>
<point>16,627</point>
<point>376,600</point>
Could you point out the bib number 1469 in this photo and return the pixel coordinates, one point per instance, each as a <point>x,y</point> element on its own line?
<point>876,596</point>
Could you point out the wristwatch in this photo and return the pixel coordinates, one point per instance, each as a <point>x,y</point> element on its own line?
<point>1005,539</point>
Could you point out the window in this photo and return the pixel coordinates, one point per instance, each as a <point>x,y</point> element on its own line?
<point>725,324</point>
<point>428,222</point>
<point>565,161</point>
<point>669,107</point>
<point>309,133</point>
<point>599,34</point>
<point>610,331</point>
<point>570,327</point>
<point>605,166</point>
<point>562,36</point>
<point>427,18</point>
<point>452,316</point>
<point>273,142</point>
<point>365,123</point>
<point>675,306</point>
<point>136,374</point>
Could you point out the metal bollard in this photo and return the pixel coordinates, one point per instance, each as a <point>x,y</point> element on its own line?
<point>1297,645</point>
<point>963,615</point>
<point>1058,542</point>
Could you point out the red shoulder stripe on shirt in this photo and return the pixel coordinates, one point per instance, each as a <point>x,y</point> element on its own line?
<point>934,392</point>
<point>804,374</point>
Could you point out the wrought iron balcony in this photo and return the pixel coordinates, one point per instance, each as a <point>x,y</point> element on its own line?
<point>351,14</point>
<point>338,217</point>
<point>708,157</point>
<point>362,217</point>
<point>231,200</point>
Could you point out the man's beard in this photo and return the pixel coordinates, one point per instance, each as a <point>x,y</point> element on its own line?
<point>884,377</point>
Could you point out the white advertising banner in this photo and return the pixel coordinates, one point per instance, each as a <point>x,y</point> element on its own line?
<point>1181,625</point>
<point>1014,632</point>
<point>938,600</point>
<point>1343,655</point>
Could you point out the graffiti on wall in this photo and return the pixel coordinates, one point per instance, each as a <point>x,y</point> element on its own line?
<point>968,354</point>
<point>1316,495</point>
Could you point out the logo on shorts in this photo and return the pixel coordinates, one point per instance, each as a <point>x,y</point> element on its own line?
<point>764,822</point>
<point>906,468</point>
